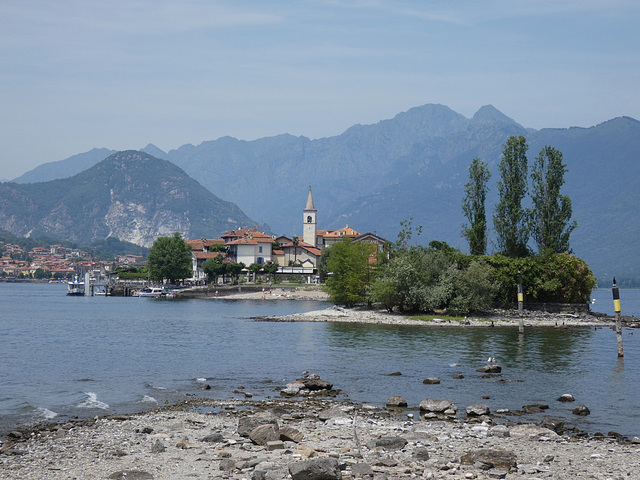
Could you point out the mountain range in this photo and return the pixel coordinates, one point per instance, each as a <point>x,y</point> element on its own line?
<point>415,166</point>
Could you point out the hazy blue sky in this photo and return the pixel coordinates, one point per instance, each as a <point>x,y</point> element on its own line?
<point>120,74</point>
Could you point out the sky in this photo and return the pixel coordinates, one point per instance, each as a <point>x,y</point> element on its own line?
<point>77,74</point>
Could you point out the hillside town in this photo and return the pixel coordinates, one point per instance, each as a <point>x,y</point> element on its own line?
<point>293,255</point>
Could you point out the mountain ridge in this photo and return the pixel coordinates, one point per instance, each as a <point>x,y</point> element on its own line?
<point>415,165</point>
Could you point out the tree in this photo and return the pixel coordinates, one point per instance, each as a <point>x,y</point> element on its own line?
<point>349,272</point>
<point>295,241</point>
<point>169,258</point>
<point>42,273</point>
<point>551,224</point>
<point>255,269</point>
<point>235,269</point>
<point>214,267</point>
<point>405,234</point>
<point>271,269</point>
<point>510,219</point>
<point>474,209</point>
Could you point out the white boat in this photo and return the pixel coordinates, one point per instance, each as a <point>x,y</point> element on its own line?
<point>151,292</point>
<point>75,287</point>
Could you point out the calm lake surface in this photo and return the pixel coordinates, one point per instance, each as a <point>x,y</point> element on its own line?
<point>62,357</point>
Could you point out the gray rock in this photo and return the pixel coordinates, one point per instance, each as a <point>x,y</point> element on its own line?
<point>361,470</point>
<point>421,453</point>
<point>567,397</point>
<point>213,438</point>
<point>501,459</point>
<point>437,406</point>
<point>387,443</point>
<point>265,433</point>
<point>396,401</point>
<point>275,445</point>
<point>292,388</point>
<point>431,381</point>
<point>552,423</point>
<point>497,473</point>
<point>489,369</point>
<point>333,412</point>
<point>581,410</point>
<point>158,447</point>
<point>131,475</point>
<point>477,409</point>
<point>259,475</point>
<point>316,469</point>
<point>313,382</point>
<point>247,424</point>
<point>499,431</point>
<point>227,465</point>
<point>290,434</point>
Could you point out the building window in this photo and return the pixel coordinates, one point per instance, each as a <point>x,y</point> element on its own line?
<point>260,249</point>
<point>309,219</point>
<point>260,261</point>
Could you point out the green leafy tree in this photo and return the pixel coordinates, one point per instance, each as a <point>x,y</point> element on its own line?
<point>510,218</point>
<point>255,268</point>
<point>169,258</point>
<point>405,234</point>
<point>214,267</point>
<point>235,269</point>
<point>473,207</point>
<point>551,224</point>
<point>271,269</point>
<point>42,273</point>
<point>349,272</point>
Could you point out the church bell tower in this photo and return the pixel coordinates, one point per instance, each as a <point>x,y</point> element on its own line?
<point>310,224</point>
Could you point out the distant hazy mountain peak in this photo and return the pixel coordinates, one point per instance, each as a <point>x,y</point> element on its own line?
<point>151,149</point>
<point>489,112</point>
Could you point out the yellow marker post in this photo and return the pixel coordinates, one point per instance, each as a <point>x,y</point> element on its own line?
<point>520,303</point>
<point>617,309</point>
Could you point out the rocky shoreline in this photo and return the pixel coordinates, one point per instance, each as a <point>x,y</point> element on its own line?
<point>494,318</point>
<point>306,438</point>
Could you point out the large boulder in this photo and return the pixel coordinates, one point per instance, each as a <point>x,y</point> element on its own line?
<point>489,369</point>
<point>437,406</point>
<point>387,443</point>
<point>305,385</point>
<point>396,401</point>
<point>247,424</point>
<point>333,412</point>
<point>313,382</point>
<point>477,409</point>
<point>316,469</point>
<point>581,410</point>
<point>490,458</point>
<point>264,434</point>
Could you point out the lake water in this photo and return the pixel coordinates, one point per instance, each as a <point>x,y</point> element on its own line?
<point>62,357</point>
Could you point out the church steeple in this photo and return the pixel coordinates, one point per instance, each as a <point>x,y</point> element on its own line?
<point>309,228</point>
<point>309,201</point>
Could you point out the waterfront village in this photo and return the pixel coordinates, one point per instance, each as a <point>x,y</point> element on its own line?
<point>293,255</point>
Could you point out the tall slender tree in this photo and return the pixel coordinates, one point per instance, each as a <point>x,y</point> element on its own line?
<point>473,207</point>
<point>551,224</point>
<point>510,218</point>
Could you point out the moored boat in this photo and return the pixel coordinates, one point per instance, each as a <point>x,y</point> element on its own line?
<point>75,287</point>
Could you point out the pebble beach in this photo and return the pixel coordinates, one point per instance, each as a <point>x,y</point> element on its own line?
<point>205,439</point>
